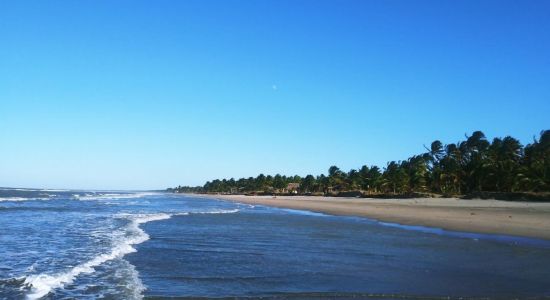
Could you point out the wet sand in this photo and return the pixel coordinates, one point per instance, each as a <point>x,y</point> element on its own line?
<point>525,219</point>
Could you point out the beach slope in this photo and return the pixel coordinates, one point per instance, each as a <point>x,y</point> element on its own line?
<point>525,219</point>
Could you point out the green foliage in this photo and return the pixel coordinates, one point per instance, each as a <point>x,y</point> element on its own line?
<point>473,165</point>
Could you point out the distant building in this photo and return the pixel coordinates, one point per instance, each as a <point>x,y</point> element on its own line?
<point>293,187</point>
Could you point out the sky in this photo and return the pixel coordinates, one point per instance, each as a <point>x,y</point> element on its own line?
<point>154,94</point>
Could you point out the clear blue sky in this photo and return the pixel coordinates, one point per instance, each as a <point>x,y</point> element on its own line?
<point>152,94</point>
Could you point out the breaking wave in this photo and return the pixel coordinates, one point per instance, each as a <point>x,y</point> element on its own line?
<point>111,196</point>
<point>41,285</point>
<point>17,199</point>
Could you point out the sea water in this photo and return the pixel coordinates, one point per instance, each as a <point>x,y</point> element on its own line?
<point>61,244</point>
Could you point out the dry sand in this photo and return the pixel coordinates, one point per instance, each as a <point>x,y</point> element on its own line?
<point>526,219</point>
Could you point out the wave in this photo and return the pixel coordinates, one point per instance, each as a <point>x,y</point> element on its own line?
<point>77,196</point>
<point>303,212</point>
<point>36,209</point>
<point>17,199</point>
<point>214,212</point>
<point>220,211</point>
<point>112,196</point>
<point>42,284</point>
<point>33,190</point>
<point>510,239</point>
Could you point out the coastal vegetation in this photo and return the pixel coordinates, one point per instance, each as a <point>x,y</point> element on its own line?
<point>471,167</point>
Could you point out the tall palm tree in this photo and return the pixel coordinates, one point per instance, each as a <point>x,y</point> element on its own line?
<point>537,163</point>
<point>307,184</point>
<point>336,177</point>
<point>418,173</point>
<point>451,170</point>
<point>474,151</point>
<point>397,178</point>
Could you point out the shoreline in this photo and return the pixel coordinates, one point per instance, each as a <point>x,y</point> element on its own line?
<point>524,219</point>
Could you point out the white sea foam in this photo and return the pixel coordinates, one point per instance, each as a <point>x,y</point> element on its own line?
<point>220,211</point>
<point>33,190</point>
<point>14,199</point>
<point>303,212</point>
<point>42,284</point>
<point>112,196</point>
<point>86,197</point>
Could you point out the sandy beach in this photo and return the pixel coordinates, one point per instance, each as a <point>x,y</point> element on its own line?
<point>525,219</point>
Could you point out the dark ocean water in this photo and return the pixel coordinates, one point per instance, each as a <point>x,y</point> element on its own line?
<point>124,245</point>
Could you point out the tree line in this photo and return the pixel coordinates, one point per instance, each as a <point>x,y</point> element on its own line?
<point>473,165</point>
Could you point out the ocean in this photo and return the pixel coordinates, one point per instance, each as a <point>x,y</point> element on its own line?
<point>64,244</point>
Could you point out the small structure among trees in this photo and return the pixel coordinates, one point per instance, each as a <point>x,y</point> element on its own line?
<point>292,188</point>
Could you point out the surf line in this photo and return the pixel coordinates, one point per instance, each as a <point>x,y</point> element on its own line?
<point>42,284</point>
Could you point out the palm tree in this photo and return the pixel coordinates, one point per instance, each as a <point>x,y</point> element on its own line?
<point>364,173</point>
<point>375,178</point>
<point>536,161</point>
<point>474,152</point>
<point>397,178</point>
<point>418,173</point>
<point>260,183</point>
<point>307,184</point>
<point>278,182</point>
<point>336,177</point>
<point>433,157</point>
<point>354,180</point>
<point>323,183</point>
<point>451,170</point>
